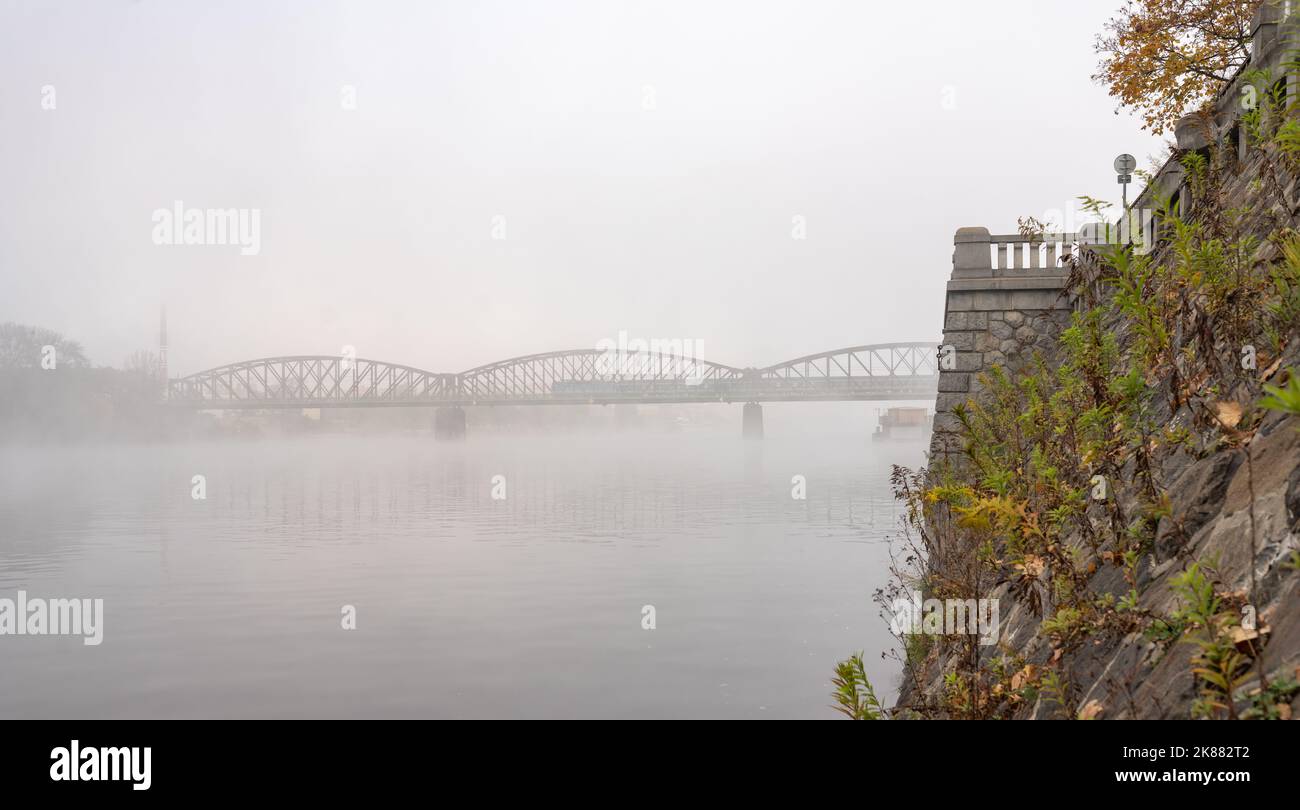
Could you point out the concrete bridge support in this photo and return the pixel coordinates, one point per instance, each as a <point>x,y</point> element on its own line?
<point>752,426</point>
<point>449,423</point>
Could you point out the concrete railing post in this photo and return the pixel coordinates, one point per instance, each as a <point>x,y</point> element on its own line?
<point>970,257</point>
<point>1263,27</point>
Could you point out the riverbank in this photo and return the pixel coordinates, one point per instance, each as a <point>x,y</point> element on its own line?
<point>1130,492</point>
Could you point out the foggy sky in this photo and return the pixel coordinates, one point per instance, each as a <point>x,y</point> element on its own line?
<point>648,160</point>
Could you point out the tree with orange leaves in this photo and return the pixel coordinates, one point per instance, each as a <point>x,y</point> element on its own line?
<point>1166,58</point>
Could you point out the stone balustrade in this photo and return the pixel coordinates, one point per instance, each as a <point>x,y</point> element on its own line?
<point>980,254</point>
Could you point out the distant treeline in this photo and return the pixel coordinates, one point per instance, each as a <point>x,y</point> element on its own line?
<point>50,392</point>
<point>69,404</point>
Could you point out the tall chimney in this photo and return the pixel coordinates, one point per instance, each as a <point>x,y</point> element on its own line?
<point>162,349</point>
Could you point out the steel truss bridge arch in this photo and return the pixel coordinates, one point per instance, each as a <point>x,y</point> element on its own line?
<point>888,371</point>
<point>585,374</point>
<point>875,371</point>
<point>310,381</point>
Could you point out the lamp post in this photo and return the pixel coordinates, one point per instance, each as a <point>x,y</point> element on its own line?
<point>1124,166</point>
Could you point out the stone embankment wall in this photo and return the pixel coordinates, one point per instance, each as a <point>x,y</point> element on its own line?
<point>1234,503</point>
<point>1005,301</point>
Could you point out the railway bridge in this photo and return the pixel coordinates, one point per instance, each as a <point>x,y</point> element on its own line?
<point>879,372</point>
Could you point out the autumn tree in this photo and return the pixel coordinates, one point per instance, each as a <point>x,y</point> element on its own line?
<point>1166,58</point>
<point>23,346</point>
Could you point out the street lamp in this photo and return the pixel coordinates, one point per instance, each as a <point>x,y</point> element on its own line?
<point>1124,166</point>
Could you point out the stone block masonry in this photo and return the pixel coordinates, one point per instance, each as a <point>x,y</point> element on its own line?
<point>1005,302</point>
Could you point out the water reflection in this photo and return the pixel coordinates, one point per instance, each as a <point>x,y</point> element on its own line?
<point>468,605</point>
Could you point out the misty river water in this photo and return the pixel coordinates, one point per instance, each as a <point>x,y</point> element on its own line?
<point>465,605</point>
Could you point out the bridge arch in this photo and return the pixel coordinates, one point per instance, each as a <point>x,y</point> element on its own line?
<point>593,373</point>
<point>311,381</point>
<point>881,371</point>
<point>910,359</point>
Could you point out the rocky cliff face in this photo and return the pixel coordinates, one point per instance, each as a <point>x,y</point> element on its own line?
<point>1131,675</point>
<point>1193,556</point>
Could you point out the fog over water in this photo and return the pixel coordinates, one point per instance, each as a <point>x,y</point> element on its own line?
<point>466,606</point>
<point>444,185</point>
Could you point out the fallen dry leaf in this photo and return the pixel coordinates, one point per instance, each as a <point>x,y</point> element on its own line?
<point>1240,634</point>
<point>1092,711</point>
<point>1033,566</point>
<point>1243,639</point>
<point>1228,413</point>
<point>1271,370</point>
<point>1024,676</point>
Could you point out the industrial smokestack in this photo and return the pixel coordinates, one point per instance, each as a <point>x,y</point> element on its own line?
<point>162,349</point>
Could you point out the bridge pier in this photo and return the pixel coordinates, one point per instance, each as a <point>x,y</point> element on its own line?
<point>449,423</point>
<point>752,425</point>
